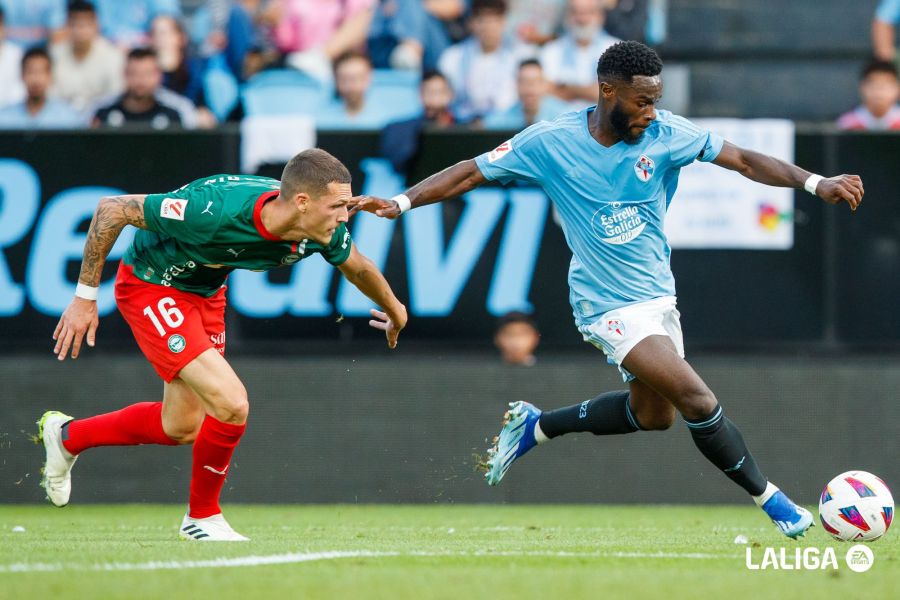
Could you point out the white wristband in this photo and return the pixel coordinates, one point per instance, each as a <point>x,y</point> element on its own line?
<point>403,202</point>
<point>86,291</point>
<point>811,182</point>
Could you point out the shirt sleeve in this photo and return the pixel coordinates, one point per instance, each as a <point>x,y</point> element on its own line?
<point>190,214</point>
<point>515,159</point>
<point>338,251</point>
<point>888,11</point>
<point>688,142</point>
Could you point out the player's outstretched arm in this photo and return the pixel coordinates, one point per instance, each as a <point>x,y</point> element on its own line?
<point>772,171</point>
<point>362,272</point>
<point>80,317</point>
<point>449,183</point>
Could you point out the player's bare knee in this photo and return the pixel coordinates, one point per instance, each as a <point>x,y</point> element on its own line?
<point>696,402</point>
<point>232,406</point>
<point>183,435</point>
<point>657,420</point>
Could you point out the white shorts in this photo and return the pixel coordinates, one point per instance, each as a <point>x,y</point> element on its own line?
<point>620,330</point>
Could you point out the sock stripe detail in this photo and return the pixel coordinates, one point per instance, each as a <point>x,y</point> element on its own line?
<point>716,416</point>
<point>629,414</point>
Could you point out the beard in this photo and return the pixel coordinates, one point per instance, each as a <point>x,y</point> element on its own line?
<point>619,122</point>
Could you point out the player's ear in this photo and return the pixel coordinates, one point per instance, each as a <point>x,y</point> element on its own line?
<point>301,201</point>
<point>607,90</point>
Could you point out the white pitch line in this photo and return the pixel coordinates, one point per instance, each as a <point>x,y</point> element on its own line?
<point>298,557</point>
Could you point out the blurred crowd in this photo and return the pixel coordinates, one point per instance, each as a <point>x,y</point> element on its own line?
<point>346,63</point>
<point>391,65</point>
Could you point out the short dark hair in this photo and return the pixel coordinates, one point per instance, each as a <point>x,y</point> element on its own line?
<point>36,52</point>
<point>498,7</point>
<point>311,171</point>
<point>624,60</point>
<point>530,62</point>
<point>81,7</point>
<point>879,66</point>
<point>141,52</point>
<point>350,55</point>
<point>516,317</point>
<point>433,74</point>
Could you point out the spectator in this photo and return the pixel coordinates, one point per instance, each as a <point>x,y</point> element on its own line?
<point>86,67</point>
<point>627,19</point>
<point>535,21</point>
<point>400,140</point>
<point>127,22</point>
<point>884,29</point>
<point>314,33</point>
<point>879,89</point>
<point>517,337</point>
<point>570,62</point>
<point>234,28</point>
<point>11,88</point>
<point>183,70</point>
<point>350,110</point>
<point>34,22</point>
<point>38,111</point>
<point>482,68</point>
<point>412,34</point>
<point>535,102</point>
<point>139,104</point>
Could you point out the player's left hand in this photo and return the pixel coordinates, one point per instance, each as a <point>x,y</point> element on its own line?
<point>388,209</point>
<point>391,327</point>
<point>843,188</point>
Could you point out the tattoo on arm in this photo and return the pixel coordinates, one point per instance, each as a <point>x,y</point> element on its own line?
<point>111,216</point>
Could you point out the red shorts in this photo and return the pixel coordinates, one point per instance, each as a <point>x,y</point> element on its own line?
<point>171,327</point>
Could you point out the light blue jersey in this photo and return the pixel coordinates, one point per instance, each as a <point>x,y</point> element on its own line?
<point>612,201</point>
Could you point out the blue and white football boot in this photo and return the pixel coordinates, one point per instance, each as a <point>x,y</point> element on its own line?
<point>790,519</point>
<point>515,439</point>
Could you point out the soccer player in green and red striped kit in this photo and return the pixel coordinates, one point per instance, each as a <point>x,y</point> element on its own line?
<point>170,288</point>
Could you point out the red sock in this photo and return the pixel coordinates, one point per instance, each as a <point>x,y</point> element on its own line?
<point>212,453</point>
<point>139,423</point>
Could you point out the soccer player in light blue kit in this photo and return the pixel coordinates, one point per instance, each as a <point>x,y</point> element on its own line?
<point>611,171</point>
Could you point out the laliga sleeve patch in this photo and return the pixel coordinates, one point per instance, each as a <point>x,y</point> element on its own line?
<point>173,208</point>
<point>501,150</point>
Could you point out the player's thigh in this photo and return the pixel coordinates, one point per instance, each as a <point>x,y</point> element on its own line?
<point>655,361</point>
<point>652,410</point>
<point>217,386</point>
<point>182,411</point>
<point>167,323</point>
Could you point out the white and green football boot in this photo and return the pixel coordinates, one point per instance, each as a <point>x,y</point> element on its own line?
<point>57,471</point>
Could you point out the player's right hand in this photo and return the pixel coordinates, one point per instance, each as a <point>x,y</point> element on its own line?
<point>79,318</point>
<point>843,188</point>
<point>389,209</point>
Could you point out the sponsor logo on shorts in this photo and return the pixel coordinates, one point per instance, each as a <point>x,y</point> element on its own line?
<point>501,150</point>
<point>218,339</point>
<point>615,327</point>
<point>644,168</point>
<point>176,343</point>
<point>289,259</point>
<point>173,208</point>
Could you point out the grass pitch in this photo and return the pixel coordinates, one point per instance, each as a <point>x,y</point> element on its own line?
<point>398,552</point>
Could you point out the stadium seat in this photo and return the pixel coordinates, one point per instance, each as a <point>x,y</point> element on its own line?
<point>220,88</point>
<point>397,92</point>
<point>282,92</point>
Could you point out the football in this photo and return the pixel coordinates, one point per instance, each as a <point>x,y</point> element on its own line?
<point>856,506</point>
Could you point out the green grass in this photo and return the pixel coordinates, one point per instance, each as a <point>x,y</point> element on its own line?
<point>457,552</point>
